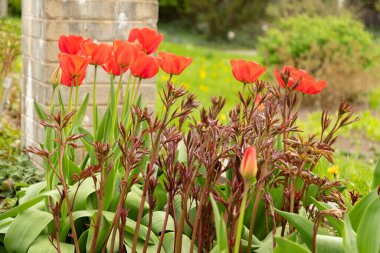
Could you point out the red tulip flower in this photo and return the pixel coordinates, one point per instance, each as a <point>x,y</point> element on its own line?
<point>248,166</point>
<point>73,66</point>
<point>125,53</point>
<point>70,44</point>
<point>305,83</point>
<point>148,38</point>
<point>99,53</point>
<point>246,71</point>
<point>68,80</point>
<point>173,64</point>
<point>111,67</point>
<point>145,67</point>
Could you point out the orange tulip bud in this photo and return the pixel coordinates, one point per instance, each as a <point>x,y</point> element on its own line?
<point>248,166</point>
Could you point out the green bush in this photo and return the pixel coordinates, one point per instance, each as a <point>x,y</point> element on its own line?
<point>14,7</point>
<point>335,48</point>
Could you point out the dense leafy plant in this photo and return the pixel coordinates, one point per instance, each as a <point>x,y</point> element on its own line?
<point>16,170</point>
<point>173,182</point>
<point>336,48</point>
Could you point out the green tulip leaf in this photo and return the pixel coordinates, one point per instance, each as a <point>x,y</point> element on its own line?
<point>368,234</point>
<point>25,229</point>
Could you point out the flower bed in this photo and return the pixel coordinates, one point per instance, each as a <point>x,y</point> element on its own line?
<point>172,183</point>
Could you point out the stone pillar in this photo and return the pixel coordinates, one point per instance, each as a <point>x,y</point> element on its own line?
<point>43,21</point>
<point>3,7</point>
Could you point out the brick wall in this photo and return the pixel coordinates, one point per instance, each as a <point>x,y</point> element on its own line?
<point>3,7</point>
<point>43,21</point>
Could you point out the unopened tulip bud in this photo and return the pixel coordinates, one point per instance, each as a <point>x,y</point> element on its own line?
<point>248,166</point>
<point>56,77</point>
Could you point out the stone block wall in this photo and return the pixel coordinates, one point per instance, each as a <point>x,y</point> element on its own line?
<point>3,8</point>
<point>43,21</point>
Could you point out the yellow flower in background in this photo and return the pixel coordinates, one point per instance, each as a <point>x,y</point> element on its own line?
<point>223,117</point>
<point>334,170</point>
<point>164,78</point>
<point>203,88</point>
<point>202,74</point>
<point>186,85</point>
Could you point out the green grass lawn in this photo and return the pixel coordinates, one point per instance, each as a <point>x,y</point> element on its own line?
<point>209,74</point>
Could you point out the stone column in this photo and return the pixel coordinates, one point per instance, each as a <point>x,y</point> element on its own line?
<point>43,21</point>
<point>3,7</point>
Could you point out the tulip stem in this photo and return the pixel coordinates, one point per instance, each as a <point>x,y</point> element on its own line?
<point>94,107</point>
<point>114,114</point>
<point>52,104</point>
<point>253,217</point>
<point>136,91</point>
<point>70,99</point>
<point>76,97</point>
<point>133,90</point>
<point>126,98</point>
<point>241,218</point>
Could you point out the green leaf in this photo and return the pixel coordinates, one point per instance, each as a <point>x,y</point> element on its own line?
<point>368,236</point>
<point>284,245</point>
<point>83,241</point>
<point>376,176</point>
<point>32,191</point>
<point>182,153</point>
<point>26,205</point>
<point>103,129</point>
<point>337,224</point>
<point>158,221</point>
<point>329,244</point>
<point>303,226</point>
<point>104,230</point>
<point>349,237</point>
<point>133,203</point>
<point>160,194</point>
<point>79,115</point>
<point>266,246</point>
<point>220,226</point>
<point>69,168</point>
<point>4,225</point>
<point>25,229</point>
<point>128,240</point>
<point>85,190</point>
<point>43,244</point>
<point>61,104</point>
<point>359,209</point>
<point>87,143</point>
<point>110,186</point>
<point>40,111</point>
<point>130,228</point>
<point>168,243</point>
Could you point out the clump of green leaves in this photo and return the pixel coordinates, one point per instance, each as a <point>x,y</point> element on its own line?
<point>16,169</point>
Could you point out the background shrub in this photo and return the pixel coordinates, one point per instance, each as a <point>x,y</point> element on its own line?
<point>216,18</point>
<point>337,49</point>
<point>14,7</point>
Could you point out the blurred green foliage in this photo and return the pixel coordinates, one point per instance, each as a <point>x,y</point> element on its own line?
<point>336,49</point>
<point>14,7</point>
<point>238,20</point>
<point>294,38</point>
